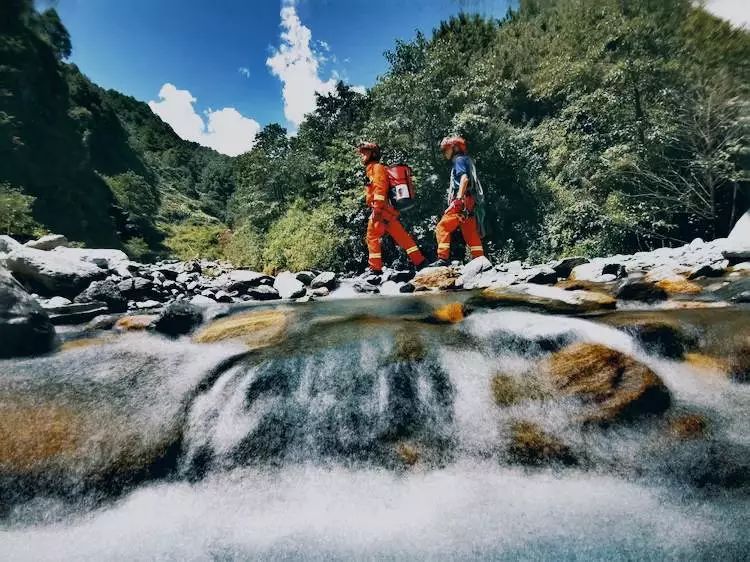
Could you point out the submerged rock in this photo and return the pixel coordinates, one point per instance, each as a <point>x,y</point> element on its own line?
<point>136,323</point>
<point>688,426</point>
<point>25,328</point>
<point>614,386</point>
<point>256,329</point>
<point>642,291</point>
<point>508,390</point>
<point>450,313</point>
<point>533,446</point>
<point>552,299</point>
<point>679,286</point>
<point>657,335</point>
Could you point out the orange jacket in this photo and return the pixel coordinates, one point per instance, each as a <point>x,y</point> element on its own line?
<point>376,193</point>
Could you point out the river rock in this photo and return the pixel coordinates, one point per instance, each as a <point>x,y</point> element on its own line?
<point>51,273</point>
<point>656,334</point>
<point>641,291</point>
<point>390,288</point>
<point>263,293</point>
<point>107,259</point>
<point>473,270</point>
<point>25,328</point>
<point>398,276</point>
<point>242,279</point>
<point>288,286</point>
<point>77,313</point>
<point>305,277</point>
<point>530,445</point>
<point>325,279</point>
<point>257,328</point>
<point>614,386</point>
<point>552,299</point>
<point>320,292</point>
<point>107,292</point>
<point>741,231</point>
<point>542,275</point>
<point>589,271</point>
<point>435,278</point>
<point>178,318</point>
<point>8,244</point>
<point>564,266</point>
<point>709,270</point>
<point>364,286</point>
<point>200,300</point>
<point>48,242</point>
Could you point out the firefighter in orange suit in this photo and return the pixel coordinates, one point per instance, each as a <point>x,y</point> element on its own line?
<point>465,203</point>
<point>384,217</point>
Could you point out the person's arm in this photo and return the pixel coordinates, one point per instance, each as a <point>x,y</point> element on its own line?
<point>380,191</point>
<point>463,186</point>
<point>462,171</point>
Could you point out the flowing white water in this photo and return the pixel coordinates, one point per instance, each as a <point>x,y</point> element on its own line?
<point>465,511</point>
<point>294,450</point>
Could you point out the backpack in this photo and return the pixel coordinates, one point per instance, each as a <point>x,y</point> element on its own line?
<point>401,192</point>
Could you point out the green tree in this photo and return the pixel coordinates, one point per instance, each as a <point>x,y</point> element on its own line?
<point>15,212</point>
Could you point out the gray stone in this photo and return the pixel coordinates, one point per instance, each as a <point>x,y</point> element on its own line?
<point>8,244</point>
<point>543,275</point>
<point>391,288</point>
<point>325,279</point>
<point>178,318</point>
<point>200,300</point>
<point>56,302</point>
<point>364,286</point>
<point>320,292</point>
<point>242,279</point>
<point>473,270</point>
<point>564,266</point>
<point>741,231</point>
<point>50,273</point>
<point>288,286</point>
<point>223,296</point>
<point>642,291</point>
<point>263,293</point>
<point>102,257</point>
<point>147,304</point>
<point>77,313</point>
<point>25,328</point>
<point>48,242</point>
<point>305,277</point>
<point>107,292</point>
<point>709,270</point>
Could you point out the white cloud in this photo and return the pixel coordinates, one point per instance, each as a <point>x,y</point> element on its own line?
<point>736,11</point>
<point>245,71</point>
<point>225,130</point>
<point>297,65</point>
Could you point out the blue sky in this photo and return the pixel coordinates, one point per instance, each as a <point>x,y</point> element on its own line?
<point>224,69</point>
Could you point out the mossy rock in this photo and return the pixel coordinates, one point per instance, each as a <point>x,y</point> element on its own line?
<point>688,426</point>
<point>679,286</point>
<point>612,385</point>
<point>530,445</point>
<point>452,313</point>
<point>508,390</point>
<point>138,322</point>
<point>257,329</point>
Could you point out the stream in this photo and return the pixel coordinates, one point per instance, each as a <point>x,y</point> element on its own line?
<point>377,428</point>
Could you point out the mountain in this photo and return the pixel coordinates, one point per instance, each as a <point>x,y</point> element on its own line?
<point>104,170</point>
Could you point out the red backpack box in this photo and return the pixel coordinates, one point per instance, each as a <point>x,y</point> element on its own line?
<point>401,184</point>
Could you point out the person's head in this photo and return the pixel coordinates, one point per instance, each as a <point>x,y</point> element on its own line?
<point>368,152</point>
<point>453,145</point>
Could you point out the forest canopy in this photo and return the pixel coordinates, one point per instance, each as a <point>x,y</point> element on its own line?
<point>597,126</point>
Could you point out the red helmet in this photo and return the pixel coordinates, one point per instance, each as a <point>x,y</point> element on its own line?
<point>372,147</point>
<point>455,141</point>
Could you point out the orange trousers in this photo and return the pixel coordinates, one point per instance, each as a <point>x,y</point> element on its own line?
<point>469,230</point>
<point>390,225</point>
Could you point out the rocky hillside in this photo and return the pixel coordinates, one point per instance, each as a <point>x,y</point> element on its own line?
<point>119,174</point>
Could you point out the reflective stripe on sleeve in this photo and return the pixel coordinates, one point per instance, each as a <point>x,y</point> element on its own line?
<point>379,197</point>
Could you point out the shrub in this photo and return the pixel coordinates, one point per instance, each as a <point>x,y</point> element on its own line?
<point>244,248</point>
<point>303,239</point>
<point>188,241</point>
<point>15,212</point>
<point>137,249</point>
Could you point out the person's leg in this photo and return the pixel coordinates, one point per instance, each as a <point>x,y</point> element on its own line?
<point>403,239</point>
<point>443,231</point>
<point>470,232</point>
<point>375,231</point>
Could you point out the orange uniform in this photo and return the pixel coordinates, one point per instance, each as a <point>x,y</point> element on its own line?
<point>384,219</point>
<point>467,222</point>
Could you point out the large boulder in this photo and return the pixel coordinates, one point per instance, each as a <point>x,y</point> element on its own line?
<point>107,292</point>
<point>48,242</point>
<point>741,230</point>
<point>51,273</point>
<point>288,286</point>
<point>104,258</point>
<point>612,385</point>
<point>564,266</point>
<point>25,328</point>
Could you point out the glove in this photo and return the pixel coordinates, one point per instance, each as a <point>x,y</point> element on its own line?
<point>456,206</point>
